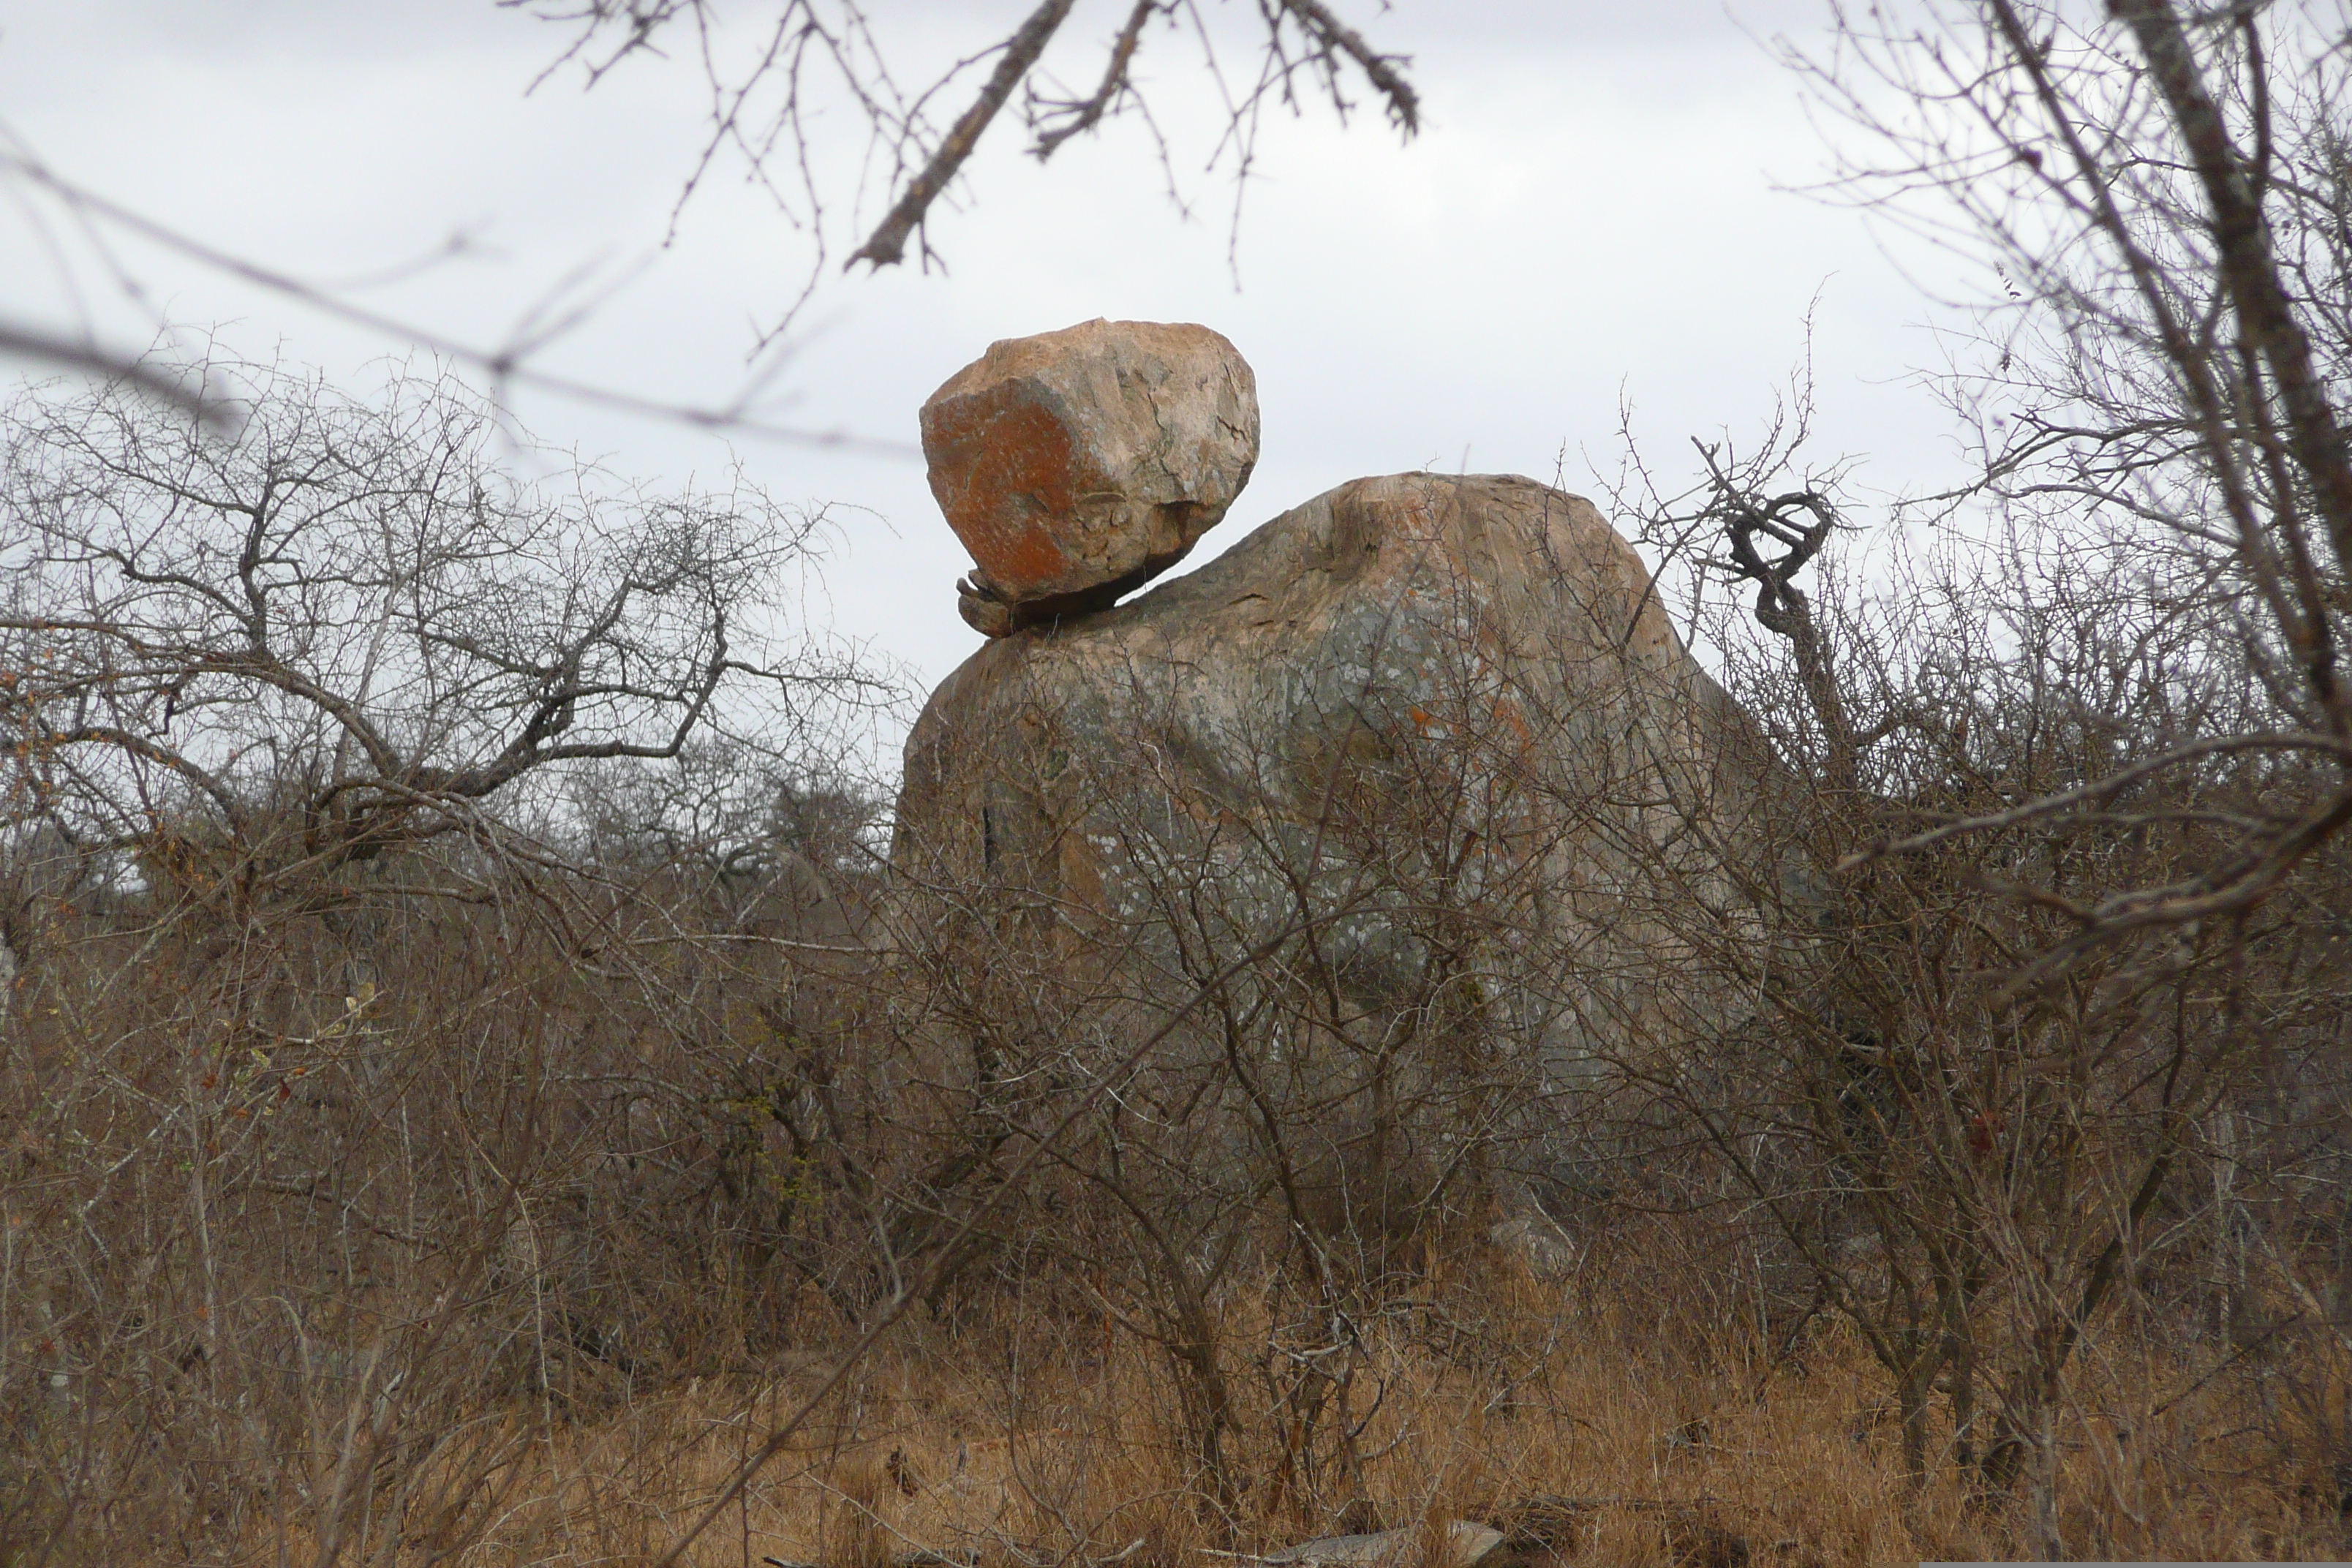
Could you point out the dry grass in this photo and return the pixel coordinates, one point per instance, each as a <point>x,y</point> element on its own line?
<point>1014,1438</point>
<point>500,1261</point>
<point>438,1298</point>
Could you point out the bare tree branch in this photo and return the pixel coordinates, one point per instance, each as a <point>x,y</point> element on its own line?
<point>887,246</point>
<point>1331,35</point>
<point>1086,114</point>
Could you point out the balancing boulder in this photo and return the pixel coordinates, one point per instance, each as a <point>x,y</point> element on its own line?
<point>1079,465</point>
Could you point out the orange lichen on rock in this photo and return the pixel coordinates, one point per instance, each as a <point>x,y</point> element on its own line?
<point>1012,456</point>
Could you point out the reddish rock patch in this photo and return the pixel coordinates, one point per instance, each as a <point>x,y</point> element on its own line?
<point>1079,464</point>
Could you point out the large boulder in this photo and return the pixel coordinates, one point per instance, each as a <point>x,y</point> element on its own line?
<point>1449,716</point>
<point>1077,465</point>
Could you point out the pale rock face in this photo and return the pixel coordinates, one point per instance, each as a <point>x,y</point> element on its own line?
<point>1541,1246</point>
<point>1475,661</point>
<point>1080,464</point>
<point>1457,1543</point>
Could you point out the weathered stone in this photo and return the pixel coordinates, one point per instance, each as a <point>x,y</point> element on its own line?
<point>1458,1543</point>
<point>1080,464</point>
<point>1411,692</point>
<point>1540,1245</point>
<point>1548,1529</point>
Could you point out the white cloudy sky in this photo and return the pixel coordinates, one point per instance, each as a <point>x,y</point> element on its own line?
<point>1592,212</point>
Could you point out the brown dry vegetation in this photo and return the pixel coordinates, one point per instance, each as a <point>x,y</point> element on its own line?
<point>478,1087</point>
<point>1024,1428</point>
<point>485,1209</point>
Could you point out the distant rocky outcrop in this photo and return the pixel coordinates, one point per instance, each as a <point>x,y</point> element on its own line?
<point>1076,466</point>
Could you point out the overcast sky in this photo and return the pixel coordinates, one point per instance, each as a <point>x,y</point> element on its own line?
<point>1590,212</point>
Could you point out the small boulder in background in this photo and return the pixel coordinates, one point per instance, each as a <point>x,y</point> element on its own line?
<point>1080,464</point>
<point>1457,1543</point>
<point>1539,1244</point>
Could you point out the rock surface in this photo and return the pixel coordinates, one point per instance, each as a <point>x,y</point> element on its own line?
<point>1461,1543</point>
<point>1080,464</point>
<point>1475,662</point>
<point>1545,1250</point>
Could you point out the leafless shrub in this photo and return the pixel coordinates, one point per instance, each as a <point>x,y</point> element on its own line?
<point>255,663</point>
<point>2056,838</point>
<point>347,1093</point>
